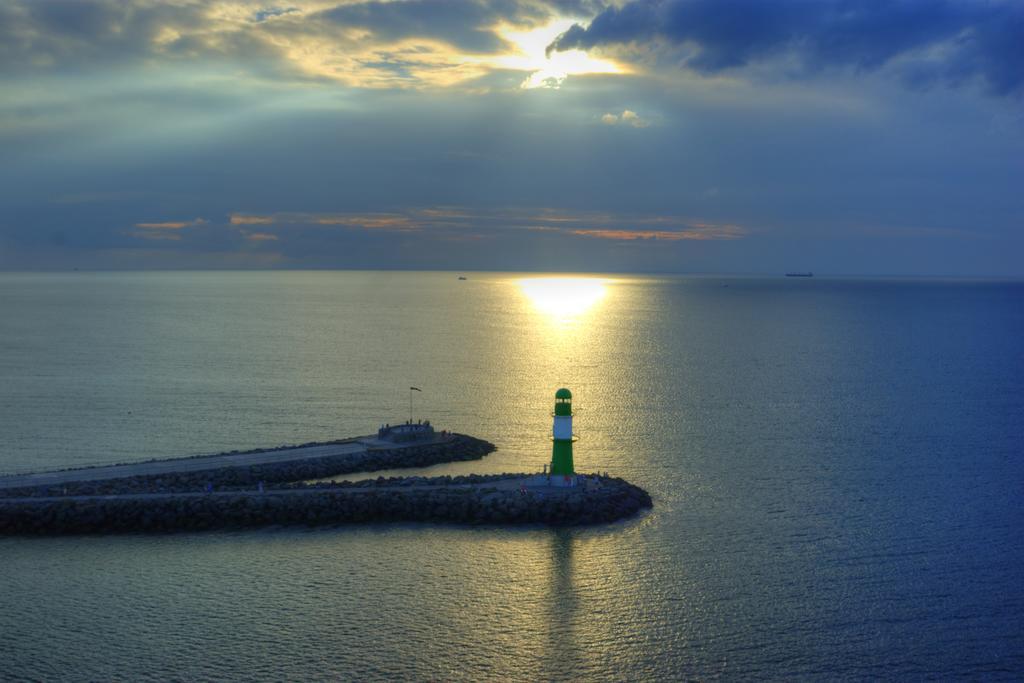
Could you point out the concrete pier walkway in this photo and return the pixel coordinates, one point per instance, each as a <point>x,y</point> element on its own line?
<point>354,447</point>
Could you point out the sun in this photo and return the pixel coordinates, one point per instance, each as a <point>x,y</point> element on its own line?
<point>549,71</point>
<point>564,298</point>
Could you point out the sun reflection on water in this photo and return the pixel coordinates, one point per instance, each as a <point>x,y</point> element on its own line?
<point>564,298</point>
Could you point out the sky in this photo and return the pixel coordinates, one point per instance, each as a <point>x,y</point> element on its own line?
<point>858,137</point>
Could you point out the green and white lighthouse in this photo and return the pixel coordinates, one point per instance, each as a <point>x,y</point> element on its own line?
<point>562,438</point>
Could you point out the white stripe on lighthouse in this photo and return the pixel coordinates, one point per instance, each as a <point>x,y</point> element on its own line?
<point>563,427</point>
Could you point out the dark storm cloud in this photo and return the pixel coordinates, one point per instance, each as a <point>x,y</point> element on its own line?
<point>950,40</point>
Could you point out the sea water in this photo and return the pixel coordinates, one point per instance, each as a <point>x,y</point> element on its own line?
<point>836,467</point>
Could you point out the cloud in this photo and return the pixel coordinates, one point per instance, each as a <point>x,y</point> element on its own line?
<point>626,118</point>
<point>394,222</point>
<point>260,237</point>
<point>271,12</point>
<point>381,221</point>
<point>365,44</point>
<point>701,232</point>
<point>237,219</point>
<point>470,223</point>
<point>425,43</point>
<point>75,36</point>
<point>924,40</point>
<point>465,24</point>
<point>799,165</point>
<point>165,231</point>
<point>172,225</point>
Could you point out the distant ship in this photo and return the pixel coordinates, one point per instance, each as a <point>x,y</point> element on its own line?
<point>807,274</point>
<point>462,277</point>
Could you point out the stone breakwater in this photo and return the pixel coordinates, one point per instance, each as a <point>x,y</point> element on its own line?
<point>457,448</point>
<point>498,499</point>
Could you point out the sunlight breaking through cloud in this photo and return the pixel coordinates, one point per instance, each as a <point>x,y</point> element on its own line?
<point>550,70</point>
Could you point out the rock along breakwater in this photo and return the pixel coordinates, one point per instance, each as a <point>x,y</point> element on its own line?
<point>266,487</point>
<point>237,469</point>
<point>475,499</point>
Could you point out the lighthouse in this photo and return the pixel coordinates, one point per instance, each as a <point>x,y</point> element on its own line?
<point>562,438</point>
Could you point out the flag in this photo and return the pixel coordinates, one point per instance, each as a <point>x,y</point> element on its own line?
<point>415,389</point>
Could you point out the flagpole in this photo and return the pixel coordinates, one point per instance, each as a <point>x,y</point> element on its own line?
<point>412,389</point>
<point>410,405</point>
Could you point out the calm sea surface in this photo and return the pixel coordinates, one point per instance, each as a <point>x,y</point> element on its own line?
<point>837,468</point>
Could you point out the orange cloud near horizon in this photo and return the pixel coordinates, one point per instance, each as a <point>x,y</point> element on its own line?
<point>237,219</point>
<point>171,225</point>
<point>449,222</point>
<point>370,221</point>
<point>724,232</point>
